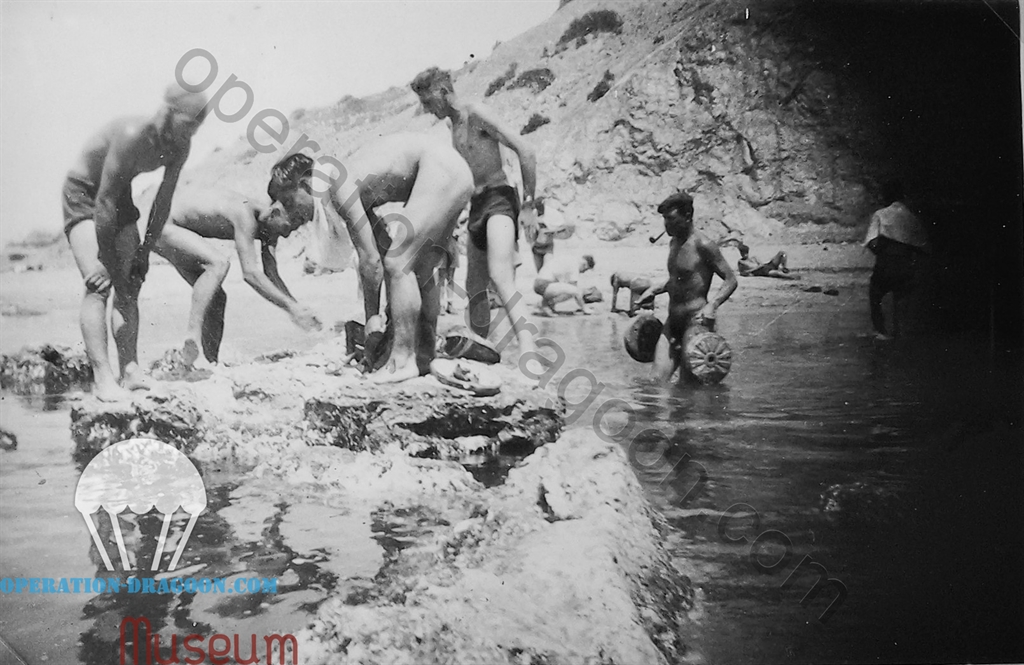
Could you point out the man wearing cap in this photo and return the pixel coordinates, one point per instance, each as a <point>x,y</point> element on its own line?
<point>693,261</point>
<point>100,222</point>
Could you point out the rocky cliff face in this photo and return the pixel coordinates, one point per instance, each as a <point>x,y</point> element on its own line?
<point>632,100</point>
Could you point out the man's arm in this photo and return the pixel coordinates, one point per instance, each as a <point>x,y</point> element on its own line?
<point>162,202</point>
<point>721,268</point>
<point>656,288</point>
<point>268,256</point>
<point>360,230</point>
<point>506,136</point>
<point>117,175</point>
<point>266,281</point>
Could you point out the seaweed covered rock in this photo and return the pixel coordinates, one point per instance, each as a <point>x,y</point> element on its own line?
<point>432,420</point>
<point>45,370</point>
<point>176,420</point>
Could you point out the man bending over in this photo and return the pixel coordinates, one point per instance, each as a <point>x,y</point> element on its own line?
<point>558,281</point>
<point>200,213</point>
<point>100,222</point>
<point>435,184</point>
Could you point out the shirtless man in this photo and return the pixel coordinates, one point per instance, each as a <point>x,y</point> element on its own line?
<point>751,267</point>
<point>638,285</point>
<point>692,263</point>
<point>435,184</point>
<point>100,222</point>
<point>558,281</point>
<point>495,207</point>
<point>198,213</point>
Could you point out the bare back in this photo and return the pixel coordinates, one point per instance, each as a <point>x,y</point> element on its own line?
<point>386,169</point>
<point>210,213</point>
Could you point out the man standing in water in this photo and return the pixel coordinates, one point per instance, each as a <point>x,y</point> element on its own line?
<point>100,218</point>
<point>693,261</point>
<point>435,185</point>
<point>494,209</point>
<point>199,213</point>
<point>899,241</point>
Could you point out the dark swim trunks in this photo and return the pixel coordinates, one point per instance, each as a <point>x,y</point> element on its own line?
<point>500,200</point>
<point>79,202</point>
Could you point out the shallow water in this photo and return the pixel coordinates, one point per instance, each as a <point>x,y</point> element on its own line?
<point>934,574</point>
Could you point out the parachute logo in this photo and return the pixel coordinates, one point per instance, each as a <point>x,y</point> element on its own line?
<point>140,474</point>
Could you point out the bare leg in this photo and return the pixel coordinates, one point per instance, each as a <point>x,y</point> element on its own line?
<point>93,316</point>
<point>665,364</point>
<point>501,267</point>
<point>440,193</point>
<point>205,269</point>
<point>876,291</point>
<point>477,279</point>
<point>213,325</point>
<point>426,332</point>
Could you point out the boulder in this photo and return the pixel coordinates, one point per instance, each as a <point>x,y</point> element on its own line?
<point>45,369</point>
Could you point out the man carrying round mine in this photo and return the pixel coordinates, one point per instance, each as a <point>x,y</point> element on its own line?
<point>693,261</point>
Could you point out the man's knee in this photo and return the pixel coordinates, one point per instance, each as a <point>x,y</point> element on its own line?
<point>220,268</point>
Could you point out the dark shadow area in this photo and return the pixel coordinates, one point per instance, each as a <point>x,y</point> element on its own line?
<point>939,87</point>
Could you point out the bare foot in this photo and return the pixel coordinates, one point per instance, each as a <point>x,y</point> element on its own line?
<point>189,352</point>
<point>135,380</point>
<point>391,373</point>
<point>110,392</point>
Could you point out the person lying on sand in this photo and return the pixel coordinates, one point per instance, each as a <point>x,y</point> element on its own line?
<point>201,213</point>
<point>751,267</point>
<point>558,281</point>
<point>435,184</point>
<point>100,223</point>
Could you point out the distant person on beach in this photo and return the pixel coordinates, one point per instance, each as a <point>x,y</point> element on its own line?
<point>898,240</point>
<point>495,208</point>
<point>100,222</point>
<point>638,286</point>
<point>558,281</point>
<point>748,266</point>
<point>693,261</point>
<point>542,243</point>
<point>435,184</point>
<point>200,213</point>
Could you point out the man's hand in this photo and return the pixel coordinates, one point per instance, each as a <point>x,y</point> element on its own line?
<point>98,281</point>
<point>707,314</point>
<point>374,325</point>
<point>530,225</point>
<point>304,317</point>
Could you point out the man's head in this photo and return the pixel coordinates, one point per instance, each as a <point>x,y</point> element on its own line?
<point>586,263</point>
<point>291,194</point>
<point>182,114</point>
<point>538,206</point>
<point>435,90</point>
<point>892,191</point>
<point>677,210</point>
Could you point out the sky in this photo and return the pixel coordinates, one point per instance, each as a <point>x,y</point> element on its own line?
<point>67,68</point>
